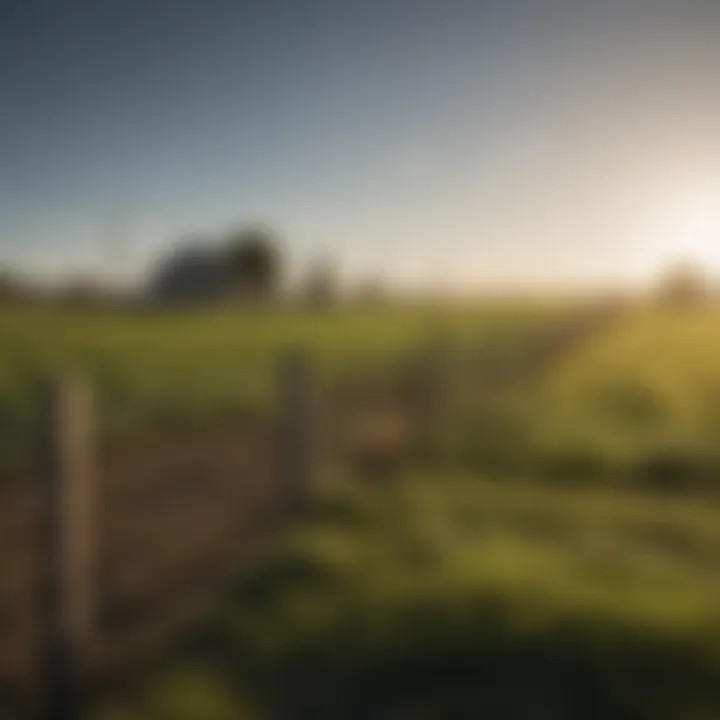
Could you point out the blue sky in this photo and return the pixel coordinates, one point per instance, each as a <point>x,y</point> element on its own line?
<point>462,140</point>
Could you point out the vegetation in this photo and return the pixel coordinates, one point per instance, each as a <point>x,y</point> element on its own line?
<point>636,404</point>
<point>156,369</point>
<point>455,597</point>
<point>321,287</point>
<point>245,264</point>
<point>9,286</point>
<point>254,259</point>
<point>641,400</point>
<point>527,567</point>
<point>685,284</point>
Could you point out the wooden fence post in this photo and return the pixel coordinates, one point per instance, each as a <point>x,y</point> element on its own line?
<point>297,432</point>
<point>68,556</point>
<point>436,384</point>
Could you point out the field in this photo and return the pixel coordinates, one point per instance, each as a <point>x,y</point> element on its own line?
<point>549,549</point>
<point>637,403</point>
<point>157,370</point>
<point>646,395</point>
<point>458,597</point>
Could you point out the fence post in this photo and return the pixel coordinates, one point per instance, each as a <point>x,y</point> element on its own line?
<point>67,500</point>
<point>297,432</point>
<point>435,379</point>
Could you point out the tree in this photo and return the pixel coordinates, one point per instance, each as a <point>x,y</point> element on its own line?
<point>371,291</point>
<point>254,262</point>
<point>321,285</point>
<point>84,291</point>
<point>7,285</point>
<point>12,287</point>
<point>685,284</point>
<point>192,273</point>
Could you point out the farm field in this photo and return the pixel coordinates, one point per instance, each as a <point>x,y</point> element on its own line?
<point>457,597</point>
<point>636,402</point>
<point>185,493</point>
<point>525,560</point>
<point>644,393</point>
<point>155,370</point>
<point>451,595</point>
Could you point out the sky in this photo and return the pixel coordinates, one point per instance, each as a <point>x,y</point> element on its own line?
<point>443,141</point>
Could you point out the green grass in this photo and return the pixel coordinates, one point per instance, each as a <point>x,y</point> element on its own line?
<point>460,591</point>
<point>651,382</point>
<point>155,369</point>
<point>456,597</point>
<point>638,403</point>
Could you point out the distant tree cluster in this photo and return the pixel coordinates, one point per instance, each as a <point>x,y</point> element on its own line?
<point>371,291</point>
<point>684,285</point>
<point>321,287</point>
<point>84,291</point>
<point>14,288</point>
<point>246,264</point>
<point>8,286</point>
<point>254,262</point>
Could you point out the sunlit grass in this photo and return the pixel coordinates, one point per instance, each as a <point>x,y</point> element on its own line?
<point>377,593</point>
<point>617,555</point>
<point>651,382</point>
<point>451,593</point>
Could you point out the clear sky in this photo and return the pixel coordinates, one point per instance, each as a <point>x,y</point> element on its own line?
<point>463,139</point>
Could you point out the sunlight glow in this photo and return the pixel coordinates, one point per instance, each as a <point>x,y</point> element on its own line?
<point>696,228</point>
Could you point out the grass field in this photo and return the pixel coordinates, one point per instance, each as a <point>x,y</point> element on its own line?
<point>460,598</point>
<point>637,402</point>
<point>156,369</point>
<point>473,583</point>
<point>646,392</point>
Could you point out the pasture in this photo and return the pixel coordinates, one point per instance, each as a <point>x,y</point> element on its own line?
<point>645,396</point>
<point>457,597</point>
<point>157,370</point>
<point>526,561</point>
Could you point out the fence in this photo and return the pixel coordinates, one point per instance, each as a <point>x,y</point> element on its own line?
<point>106,553</point>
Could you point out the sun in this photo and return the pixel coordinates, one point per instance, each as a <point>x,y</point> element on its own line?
<point>695,229</point>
